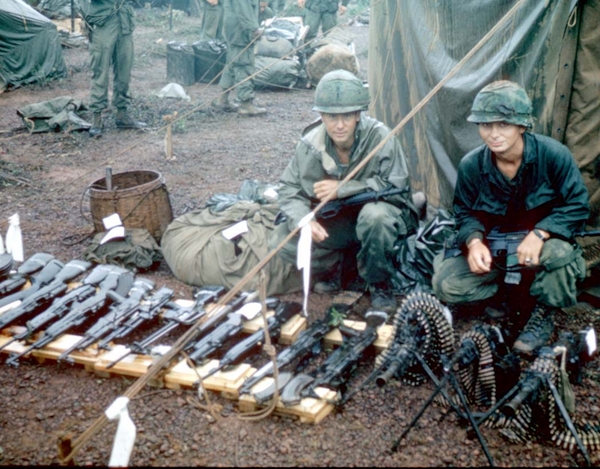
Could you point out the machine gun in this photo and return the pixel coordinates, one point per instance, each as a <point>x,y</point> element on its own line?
<point>236,354</point>
<point>119,310</point>
<point>117,279</point>
<point>61,305</point>
<point>32,265</point>
<point>308,343</point>
<point>148,311</point>
<point>175,316</point>
<point>338,366</point>
<point>47,293</point>
<point>334,207</point>
<point>39,280</point>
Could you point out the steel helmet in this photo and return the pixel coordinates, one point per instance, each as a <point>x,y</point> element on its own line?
<point>341,91</point>
<point>502,101</point>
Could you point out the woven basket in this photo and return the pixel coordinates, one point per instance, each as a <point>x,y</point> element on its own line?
<point>139,197</point>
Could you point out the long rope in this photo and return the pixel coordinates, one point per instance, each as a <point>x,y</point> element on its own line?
<point>142,381</point>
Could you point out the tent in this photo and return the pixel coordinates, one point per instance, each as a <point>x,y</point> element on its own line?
<point>552,48</point>
<point>30,48</point>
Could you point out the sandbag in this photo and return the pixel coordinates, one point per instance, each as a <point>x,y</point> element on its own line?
<point>198,253</point>
<point>276,73</point>
<point>328,58</point>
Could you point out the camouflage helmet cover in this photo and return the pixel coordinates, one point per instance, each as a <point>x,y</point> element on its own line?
<point>502,101</point>
<point>341,91</point>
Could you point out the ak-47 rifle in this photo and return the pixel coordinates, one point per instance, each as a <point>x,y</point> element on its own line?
<point>236,354</point>
<point>175,316</point>
<point>148,311</point>
<point>39,280</point>
<point>333,207</point>
<point>44,295</point>
<point>223,333</point>
<point>337,368</point>
<point>61,305</point>
<point>119,310</point>
<point>307,343</point>
<point>32,265</point>
<point>117,279</point>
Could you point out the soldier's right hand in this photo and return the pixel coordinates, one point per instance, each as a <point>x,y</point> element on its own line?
<point>301,3</point>
<point>479,258</point>
<point>318,233</point>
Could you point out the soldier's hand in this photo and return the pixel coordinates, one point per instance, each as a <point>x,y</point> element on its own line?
<point>324,188</point>
<point>301,3</point>
<point>318,233</point>
<point>479,258</point>
<point>529,250</point>
<point>257,32</point>
<point>213,2</point>
<point>342,9</point>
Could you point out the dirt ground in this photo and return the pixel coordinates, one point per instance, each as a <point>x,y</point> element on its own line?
<point>44,177</point>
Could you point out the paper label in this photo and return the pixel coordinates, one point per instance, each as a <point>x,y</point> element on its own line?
<point>111,221</point>
<point>236,230</point>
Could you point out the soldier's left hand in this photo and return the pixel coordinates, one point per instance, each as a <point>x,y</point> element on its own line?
<point>342,9</point>
<point>529,250</point>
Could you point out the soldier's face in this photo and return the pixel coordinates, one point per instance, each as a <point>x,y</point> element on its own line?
<point>341,127</point>
<point>502,138</point>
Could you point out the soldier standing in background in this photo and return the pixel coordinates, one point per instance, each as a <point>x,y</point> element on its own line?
<point>264,12</point>
<point>241,32</point>
<point>111,42</point>
<point>212,20</point>
<point>277,6</point>
<point>321,13</point>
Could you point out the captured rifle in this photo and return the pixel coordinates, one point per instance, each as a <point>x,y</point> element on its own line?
<point>175,316</point>
<point>117,279</point>
<point>223,333</point>
<point>333,207</point>
<point>337,368</point>
<point>32,265</point>
<point>39,280</point>
<point>148,311</point>
<point>236,354</point>
<point>308,343</point>
<point>47,293</point>
<point>119,310</point>
<point>61,305</point>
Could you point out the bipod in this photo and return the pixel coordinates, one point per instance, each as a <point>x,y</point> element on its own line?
<point>440,387</point>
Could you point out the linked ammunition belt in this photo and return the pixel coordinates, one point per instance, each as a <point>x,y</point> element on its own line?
<point>421,325</point>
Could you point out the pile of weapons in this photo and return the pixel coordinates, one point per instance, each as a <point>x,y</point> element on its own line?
<point>109,303</point>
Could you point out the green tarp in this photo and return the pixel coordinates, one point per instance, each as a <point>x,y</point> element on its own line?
<point>551,48</point>
<point>30,48</point>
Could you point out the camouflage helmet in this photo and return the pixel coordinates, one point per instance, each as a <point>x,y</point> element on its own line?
<point>341,91</point>
<point>502,101</point>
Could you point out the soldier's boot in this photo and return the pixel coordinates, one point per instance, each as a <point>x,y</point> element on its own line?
<point>537,331</point>
<point>224,102</point>
<point>382,297</point>
<point>124,121</point>
<point>249,109</point>
<point>96,128</point>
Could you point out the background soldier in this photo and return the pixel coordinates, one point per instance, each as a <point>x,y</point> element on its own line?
<point>212,20</point>
<point>278,6</point>
<point>264,12</point>
<point>321,13</point>
<point>515,181</point>
<point>111,42</point>
<point>241,31</point>
<point>329,150</point>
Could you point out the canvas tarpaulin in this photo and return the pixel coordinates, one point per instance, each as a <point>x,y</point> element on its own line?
<point>30,48</point>
<point>415,44</point>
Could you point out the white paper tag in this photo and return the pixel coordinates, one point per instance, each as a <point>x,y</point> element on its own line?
<point>118,232</point>
<point>235,230</point>
<point>303,262</point>
<point>111,221</point>
<point>270,193</point>
<point>125,435</point>
<point>250,310</point>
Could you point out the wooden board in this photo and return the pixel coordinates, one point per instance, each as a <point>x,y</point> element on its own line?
<point>15,347</point>
<point>54,349</point>
<point>226,382</point>
<point>334,338</point>
<point>309,410</point>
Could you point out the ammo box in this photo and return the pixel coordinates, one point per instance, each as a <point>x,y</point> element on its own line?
<point>209,56</point>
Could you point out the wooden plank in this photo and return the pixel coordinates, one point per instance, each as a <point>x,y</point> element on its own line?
<point>309,410</point>
<point>334,337</point>
<point>15,347</point>
<point>226,382</point>
<point>54,349</point>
